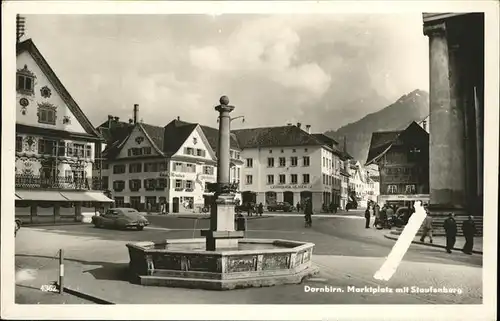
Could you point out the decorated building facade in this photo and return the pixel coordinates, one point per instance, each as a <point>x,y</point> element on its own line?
<point>154,168</point>
<point>55,146</point>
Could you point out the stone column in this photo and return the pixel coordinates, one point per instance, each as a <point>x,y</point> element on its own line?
<point>221,233</point>
<point>447,148</point>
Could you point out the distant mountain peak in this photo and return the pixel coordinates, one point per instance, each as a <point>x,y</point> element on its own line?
<point>413,106</point>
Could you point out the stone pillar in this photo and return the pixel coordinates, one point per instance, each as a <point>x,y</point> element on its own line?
<point>447,150</point>
<point>222,233</point>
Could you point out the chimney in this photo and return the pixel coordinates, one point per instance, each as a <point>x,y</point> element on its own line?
<point>20,27</point>
<point>178,117</point>
<point>110,120</point>
<point>308,129</point>
<point>130,121</point>
<point>117,119</point>
<point>424,125</point>
<point>289,124</point>
<point>299,124</point>
<point>136,113</point>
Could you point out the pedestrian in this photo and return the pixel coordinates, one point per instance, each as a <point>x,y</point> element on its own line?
<point>261,209</point>
<point>249,209</point>
<point>450,228</point>
<point>376,213</point>
<point>308,213</point>
<point>331,208</point>
<point>367,217</point>
<point>469,230</point>
<point>427,228</point>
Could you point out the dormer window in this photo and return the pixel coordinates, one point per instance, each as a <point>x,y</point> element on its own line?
<point>25,81</point>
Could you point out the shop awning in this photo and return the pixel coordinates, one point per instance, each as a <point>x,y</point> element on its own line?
<point>77,196</point>
<point>100,197</point>
<point>41,196</point>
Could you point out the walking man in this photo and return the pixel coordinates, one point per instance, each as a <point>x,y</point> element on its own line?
<point>367,217</point>
<point>450,228</point>
<point>469,230</point>
<point>308,213</point>
<point>427,228</point>
<point>260,209</point>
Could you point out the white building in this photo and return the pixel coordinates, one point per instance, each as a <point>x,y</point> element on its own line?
<point>285,164</point>
<point>55,146</point>
<point>147,166</point>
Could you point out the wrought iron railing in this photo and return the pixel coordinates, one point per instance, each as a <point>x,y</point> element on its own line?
<point>58,182</point>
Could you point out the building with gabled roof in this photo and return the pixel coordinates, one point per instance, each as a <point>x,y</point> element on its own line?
<point>162,168</point>
<point>55,146</point>
<point>402,158</point>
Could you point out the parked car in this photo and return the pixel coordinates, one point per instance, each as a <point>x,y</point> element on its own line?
<point>120,218</point>
<point>351,205</point>
<point>280,206</point>
<point>18,226</point>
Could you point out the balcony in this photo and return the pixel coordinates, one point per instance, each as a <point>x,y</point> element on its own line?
<point>59,182</point>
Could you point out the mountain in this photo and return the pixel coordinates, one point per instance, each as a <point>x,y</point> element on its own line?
<point>397,116</point>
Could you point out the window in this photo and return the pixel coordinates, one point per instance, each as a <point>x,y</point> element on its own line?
<point>208,170</point>
<point>188,151</point>
<point>105,165</point>
<point>146,150</point>
<point>191,168</point>
<point>282,161</point>
<point>135,168</point>
<point>270,179</point>
<point>323,162</point>
<point>294,160</point>
<point>282,178</point>
<point>76,150</point>
<point>249,179</point>
<point>249,162</point>
<point>161,183</point>
<point>19,144</point>
<point>305,150</point>
<point>307,161</point>
<point>305,178</point>
<point>46,147</point>
<point>294,150</point>
<point>88,151</point>
<point>119,201</point>
<point>151,167</point>
<point>149,184</point>
<point>270,162</point>
<point>270,151</point>
<point>178,184</point>
<point>189,185</point>
<point>105,182</point>
<point>47,114</point>
<point>162,166</point>
<point>282,151</point>
<point>324,179</point>
<point>200,152</point>
<point>118,186</point>
<point>118,169</point>
<point>392,189</point>
<point>410,189</point>
<point>178,167</point>
<point>293,178</point>
<point>25,81</point>
<point>134,185</point>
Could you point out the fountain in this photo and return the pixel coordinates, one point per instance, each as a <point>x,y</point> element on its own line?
<point>223,259</point>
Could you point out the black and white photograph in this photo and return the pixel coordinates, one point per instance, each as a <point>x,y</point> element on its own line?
<point>224,160</point>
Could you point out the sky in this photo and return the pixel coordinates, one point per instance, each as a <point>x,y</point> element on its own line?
<point>324,70</point>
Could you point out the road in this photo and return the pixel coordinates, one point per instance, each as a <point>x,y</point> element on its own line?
<point>346,252</point>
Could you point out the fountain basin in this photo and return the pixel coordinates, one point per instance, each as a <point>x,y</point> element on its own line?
<point>255,263</point>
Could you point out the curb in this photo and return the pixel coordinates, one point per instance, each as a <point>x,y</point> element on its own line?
<point>87,297</point>
<point>390,237</point>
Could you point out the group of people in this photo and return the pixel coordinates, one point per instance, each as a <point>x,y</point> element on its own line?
<point>451,229</point>
<point>251,209</point>
<point>381,214</point>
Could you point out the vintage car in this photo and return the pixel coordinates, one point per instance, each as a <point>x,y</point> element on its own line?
<point>280,206</point>
<point>120,218</point>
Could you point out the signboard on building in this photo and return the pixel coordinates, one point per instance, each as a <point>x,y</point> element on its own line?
<point>405,197</point>
<point>172,175</point>
<point>293,186</point>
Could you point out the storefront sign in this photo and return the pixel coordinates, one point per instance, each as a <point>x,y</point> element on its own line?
<point>297,186</point>
<point>403,197</point>
<point>172,175</point>
<point>205,177</point>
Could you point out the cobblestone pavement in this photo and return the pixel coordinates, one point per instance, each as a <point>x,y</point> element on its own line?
<point>347,254</point>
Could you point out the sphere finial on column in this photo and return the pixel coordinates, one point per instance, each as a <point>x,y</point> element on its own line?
<point>224,100</point>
